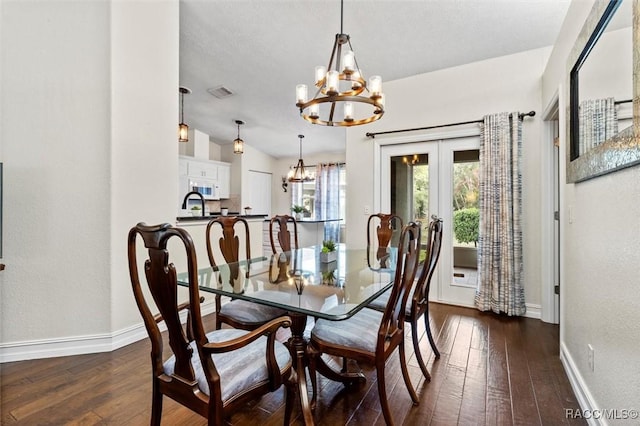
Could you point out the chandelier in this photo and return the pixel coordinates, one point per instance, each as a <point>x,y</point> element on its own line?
<point>341,85</point>
<point>299,174</point>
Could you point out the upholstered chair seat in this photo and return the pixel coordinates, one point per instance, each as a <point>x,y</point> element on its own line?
<point>358,332</point>
<point>238,370</point>
<point>249,313</point>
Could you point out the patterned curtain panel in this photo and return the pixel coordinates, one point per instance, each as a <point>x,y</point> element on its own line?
<point>327,202</point>
<point>500,280</point>
<point>598,119</point>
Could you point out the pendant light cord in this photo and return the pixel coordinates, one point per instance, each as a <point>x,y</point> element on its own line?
<point>182,107</point>
<point>341,15</point>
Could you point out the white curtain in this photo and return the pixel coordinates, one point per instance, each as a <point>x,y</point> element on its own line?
<point>327,202</point>
<point>500,282</point>
<point>598,119</point>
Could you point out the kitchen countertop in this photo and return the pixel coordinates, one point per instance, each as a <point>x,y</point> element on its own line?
<point>312,220</point>
<point>215,215</point>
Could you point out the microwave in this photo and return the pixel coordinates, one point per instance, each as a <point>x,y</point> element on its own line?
<point>207,187</point>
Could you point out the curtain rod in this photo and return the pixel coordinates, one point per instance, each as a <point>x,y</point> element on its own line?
<point>626,101</point>
<point>373,135</point>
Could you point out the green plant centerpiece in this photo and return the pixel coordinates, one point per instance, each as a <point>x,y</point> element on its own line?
<point>328,252</point>
<point>298,210</point>
<point>196,211</point>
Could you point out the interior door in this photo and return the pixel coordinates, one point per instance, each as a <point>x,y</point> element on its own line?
<point>421,179</point>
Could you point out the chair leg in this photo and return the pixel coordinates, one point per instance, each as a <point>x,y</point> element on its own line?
<point>429,335</point>
<point>156,405</point>
<point>382,393</point>
<point>416,349</point>
<point>312,353</point>
<point>290,395</point>
<point>405,374</point>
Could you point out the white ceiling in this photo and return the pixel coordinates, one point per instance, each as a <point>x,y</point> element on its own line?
<point>260,50</point>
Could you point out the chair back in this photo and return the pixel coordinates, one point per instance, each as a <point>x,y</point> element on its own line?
<point>381,230</point>
<point>392,324</point>
<point>283,234</point>
<point>161,280</point>
<point>434,244</point>
<point>229,244</point>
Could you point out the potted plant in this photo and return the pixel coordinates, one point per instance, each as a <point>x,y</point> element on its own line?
<point>196,211</point>
<point>328,252</point>
<point>298,210</point>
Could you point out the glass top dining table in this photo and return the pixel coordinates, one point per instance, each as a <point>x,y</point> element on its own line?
<point>298,281</point>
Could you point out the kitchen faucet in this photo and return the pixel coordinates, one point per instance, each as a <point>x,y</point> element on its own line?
<point>186,197</point>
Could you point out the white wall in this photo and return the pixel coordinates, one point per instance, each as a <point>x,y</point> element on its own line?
<point>463,93</point>
<point>84,117</point>
<point>144,147</point>
<point>600,261</point>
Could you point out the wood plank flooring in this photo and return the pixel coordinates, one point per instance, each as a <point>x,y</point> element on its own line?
<point>494,370</point>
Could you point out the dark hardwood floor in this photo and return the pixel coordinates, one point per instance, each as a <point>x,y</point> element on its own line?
<point>493,370</point>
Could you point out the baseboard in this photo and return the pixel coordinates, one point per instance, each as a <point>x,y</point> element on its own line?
<point>580,389</point>
<point>533,311</point>
<point>79,345</point>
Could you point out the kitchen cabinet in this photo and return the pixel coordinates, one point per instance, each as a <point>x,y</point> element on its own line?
<point>202,170</point>
<point>224,180</point>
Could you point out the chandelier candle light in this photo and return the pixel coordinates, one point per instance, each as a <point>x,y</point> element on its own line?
<point>340,86</point>
<point>299,174</point>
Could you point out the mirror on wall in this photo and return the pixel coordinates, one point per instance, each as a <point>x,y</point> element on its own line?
<point>602,86</point>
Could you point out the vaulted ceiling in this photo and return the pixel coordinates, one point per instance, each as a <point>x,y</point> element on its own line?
<point>260,50</point>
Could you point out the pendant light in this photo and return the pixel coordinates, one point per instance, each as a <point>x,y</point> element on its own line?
<point>238,144</point>
<point>299,174</point>
<point>183,129</point>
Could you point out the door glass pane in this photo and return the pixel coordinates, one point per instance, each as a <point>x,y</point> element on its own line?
<point>465,217</point>
<point>410,188</point>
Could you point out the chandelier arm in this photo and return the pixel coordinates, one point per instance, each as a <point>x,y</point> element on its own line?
<point>333,109</point>
<point>333,54</point>
<point>355,61</point>
<point>338,57</point>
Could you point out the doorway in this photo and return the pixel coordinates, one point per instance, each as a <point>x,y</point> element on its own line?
<point>421,179</point>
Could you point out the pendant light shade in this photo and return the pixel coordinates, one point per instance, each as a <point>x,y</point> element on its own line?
<point>183,129</point>
<point>238,144</point>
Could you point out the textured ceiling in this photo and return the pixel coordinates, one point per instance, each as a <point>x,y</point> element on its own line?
<point>260,50</point>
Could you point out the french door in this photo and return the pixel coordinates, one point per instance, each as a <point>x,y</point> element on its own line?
<point>439,177</point>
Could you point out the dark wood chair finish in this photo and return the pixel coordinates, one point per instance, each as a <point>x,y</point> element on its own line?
<point>356,339</point>
<point>229,245</point>
<point>418,305</point>
<point>283,234</point>
<point>387,224</point>
<point>193,351</point>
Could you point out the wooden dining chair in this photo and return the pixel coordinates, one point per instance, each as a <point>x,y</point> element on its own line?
<point>282,232</point>
<point>212,373</point>
<point>371,336</point>
<point>381,229</point>
<point>236,313</point>
<point>418,304</point>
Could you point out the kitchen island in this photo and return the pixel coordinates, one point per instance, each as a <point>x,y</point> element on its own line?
<point>196,226</point>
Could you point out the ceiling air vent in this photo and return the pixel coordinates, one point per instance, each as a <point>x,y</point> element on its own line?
<point>220,92</point>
